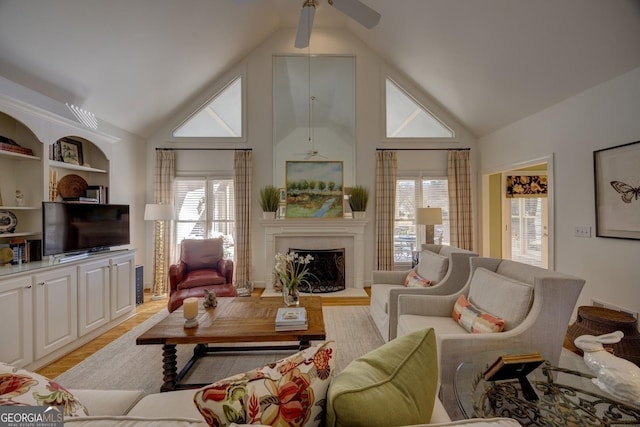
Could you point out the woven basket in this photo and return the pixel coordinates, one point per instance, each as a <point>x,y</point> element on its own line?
<point>597,321</point>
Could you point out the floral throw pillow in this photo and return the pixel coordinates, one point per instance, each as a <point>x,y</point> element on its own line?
<point>414,280</point>
<point>23,388</point>
<point>289,392</point>
<point>475,320</point>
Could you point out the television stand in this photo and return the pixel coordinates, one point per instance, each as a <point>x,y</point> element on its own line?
<point>61,259</point>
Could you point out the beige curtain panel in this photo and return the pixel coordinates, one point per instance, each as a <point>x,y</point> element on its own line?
<point>243,171</point>
<point>386,172</point>
<point>163,248</point>
<point>460,220</point>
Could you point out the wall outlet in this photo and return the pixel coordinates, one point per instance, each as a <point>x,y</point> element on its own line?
<point>582,231</point>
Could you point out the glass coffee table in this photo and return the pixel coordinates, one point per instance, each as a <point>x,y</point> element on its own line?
<point>565,397</point>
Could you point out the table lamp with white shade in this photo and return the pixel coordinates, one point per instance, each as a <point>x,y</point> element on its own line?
<point>429,217</point>
<point>159,213</point>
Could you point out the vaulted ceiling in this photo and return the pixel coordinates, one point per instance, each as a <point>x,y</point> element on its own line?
<point>489,62</point>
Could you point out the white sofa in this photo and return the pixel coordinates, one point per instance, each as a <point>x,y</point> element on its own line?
<point>394,384</point>
<point>119,408</point>
<point>536,304</point>
<point>446,266</point>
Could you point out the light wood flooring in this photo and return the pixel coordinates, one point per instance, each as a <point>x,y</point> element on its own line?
<point>144,312</point>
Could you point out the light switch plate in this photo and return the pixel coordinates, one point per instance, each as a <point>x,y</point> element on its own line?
<point>582,231</point>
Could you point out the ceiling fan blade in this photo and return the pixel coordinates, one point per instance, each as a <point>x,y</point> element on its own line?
<point>357,11</point>
<point>304,25</point>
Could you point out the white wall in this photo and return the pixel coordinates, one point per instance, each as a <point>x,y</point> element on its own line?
<point>370,72</point>
<point>601,117</point>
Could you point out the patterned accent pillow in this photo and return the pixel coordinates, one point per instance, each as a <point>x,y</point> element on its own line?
<point>414,280</point>
<point>291,391</point>
<point>475,320</point>
<point>24,388</point>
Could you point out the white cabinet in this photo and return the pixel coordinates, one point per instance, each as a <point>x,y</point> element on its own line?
<point>16,328</point>
<point>49,310</point>
<point>123,291</point>
<point>93,295</point>
<point>55,309</point>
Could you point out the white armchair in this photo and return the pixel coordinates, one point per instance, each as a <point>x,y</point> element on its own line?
<point>446,266</point>
<point>535,303</point>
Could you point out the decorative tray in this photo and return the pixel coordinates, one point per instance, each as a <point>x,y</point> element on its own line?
<point>72,186</point>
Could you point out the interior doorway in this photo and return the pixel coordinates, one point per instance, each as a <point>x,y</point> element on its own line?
<point>520,227</point>
<point>526,231</point>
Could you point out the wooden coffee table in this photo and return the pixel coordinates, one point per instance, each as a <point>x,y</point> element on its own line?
<point>236,324</point>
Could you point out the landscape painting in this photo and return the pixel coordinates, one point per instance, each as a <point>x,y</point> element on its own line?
<point>314,189</point>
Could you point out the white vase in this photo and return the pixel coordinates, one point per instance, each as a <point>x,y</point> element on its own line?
<point>268,215</point>
<point>359,214</point>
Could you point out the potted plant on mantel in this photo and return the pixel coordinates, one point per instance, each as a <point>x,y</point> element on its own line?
<point>269,200</point>
<point>358,198</point>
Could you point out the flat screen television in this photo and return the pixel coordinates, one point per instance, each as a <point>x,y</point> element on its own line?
<point>83,227</point>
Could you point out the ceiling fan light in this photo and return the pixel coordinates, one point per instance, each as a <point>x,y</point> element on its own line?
<point>357,11</point>
<point>305,23</point>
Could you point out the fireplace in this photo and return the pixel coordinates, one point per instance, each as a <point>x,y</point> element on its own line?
<point>282,234</point>
<point>326,270</point>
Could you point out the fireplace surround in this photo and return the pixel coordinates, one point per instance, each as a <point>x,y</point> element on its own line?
<point>310,234</point>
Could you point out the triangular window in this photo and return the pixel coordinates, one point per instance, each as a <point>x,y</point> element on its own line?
<point>406,118</point>
<point>221,117</point>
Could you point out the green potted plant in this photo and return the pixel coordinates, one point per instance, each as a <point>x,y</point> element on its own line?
<point>358,198</point>
<point>269,200</point>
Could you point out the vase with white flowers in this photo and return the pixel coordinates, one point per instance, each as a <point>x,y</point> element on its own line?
<point>291,270</point>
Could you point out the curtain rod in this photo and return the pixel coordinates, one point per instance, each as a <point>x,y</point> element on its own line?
<point>423,149</point>
<point>203,149</point>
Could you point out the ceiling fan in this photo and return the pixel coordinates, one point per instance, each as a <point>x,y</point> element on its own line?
<point>354,9</point>
<point>312,152</point>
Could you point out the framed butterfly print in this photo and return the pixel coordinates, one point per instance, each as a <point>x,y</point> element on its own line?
<point>617,185</point>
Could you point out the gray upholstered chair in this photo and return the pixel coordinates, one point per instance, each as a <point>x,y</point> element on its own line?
<point>447,267</point>
<point>535,303</point>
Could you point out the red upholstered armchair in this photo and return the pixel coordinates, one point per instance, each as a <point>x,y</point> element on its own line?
<point>201,266</point>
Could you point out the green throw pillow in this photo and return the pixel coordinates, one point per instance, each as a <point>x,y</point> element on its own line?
<point>394,384</point>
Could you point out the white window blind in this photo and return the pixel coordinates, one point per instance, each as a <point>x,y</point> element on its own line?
<point>205,209</point>
<point>412,193</point>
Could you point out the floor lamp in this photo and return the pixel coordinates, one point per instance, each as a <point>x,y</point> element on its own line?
<point>429,217</point>
<point>158,213</point>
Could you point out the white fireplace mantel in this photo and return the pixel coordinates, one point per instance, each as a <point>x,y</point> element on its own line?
<point>317,229</point>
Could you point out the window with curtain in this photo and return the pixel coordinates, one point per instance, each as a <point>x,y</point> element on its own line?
<point>413,193</point>
<point>205,209</point>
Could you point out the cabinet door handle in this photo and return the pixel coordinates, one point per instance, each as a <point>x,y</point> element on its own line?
<point>42,283</point>
<point>28,287</point>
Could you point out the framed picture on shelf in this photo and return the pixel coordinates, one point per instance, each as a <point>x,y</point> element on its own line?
<point>71,151</point>
<point>617,188</point>
<point>283,195</point>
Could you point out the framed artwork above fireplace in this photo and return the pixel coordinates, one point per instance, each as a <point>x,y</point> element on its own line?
<point>314,189</point>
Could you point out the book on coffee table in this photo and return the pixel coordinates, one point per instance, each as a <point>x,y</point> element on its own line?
<point>291,319</point>
<point>512,366</point>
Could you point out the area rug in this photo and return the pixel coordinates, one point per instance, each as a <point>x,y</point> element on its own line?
<point>124,365</point>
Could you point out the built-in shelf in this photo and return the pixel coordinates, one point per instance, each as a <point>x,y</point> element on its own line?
<point>4,153</point>
<point>23,233</point>
<point>70,166</point>
<point>19,208</point>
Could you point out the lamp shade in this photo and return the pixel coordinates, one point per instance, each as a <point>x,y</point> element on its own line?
<point>429,216</point>
<point>158,212</point>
